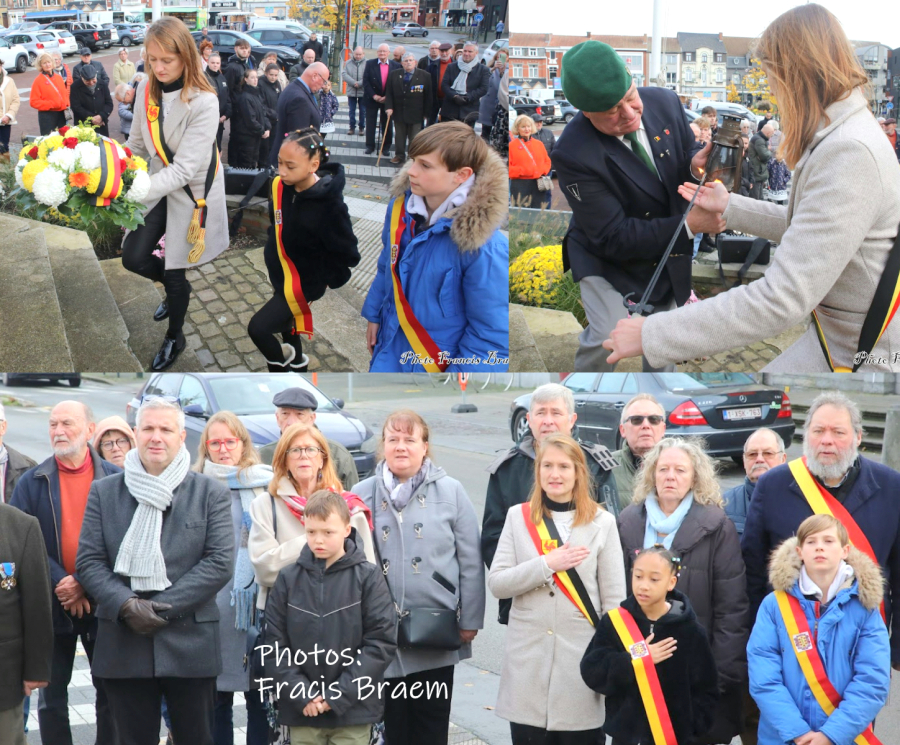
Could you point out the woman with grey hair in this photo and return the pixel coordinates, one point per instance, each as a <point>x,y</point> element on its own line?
<point>678,504</point>
<point>125,96</point>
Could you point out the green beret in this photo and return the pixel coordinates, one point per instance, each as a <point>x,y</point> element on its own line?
<point>594,76</point>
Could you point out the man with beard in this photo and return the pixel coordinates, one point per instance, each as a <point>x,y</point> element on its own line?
<point>763,450</point>
<point>56,493</point>
<point>642,425</point>
<point>861,493</point>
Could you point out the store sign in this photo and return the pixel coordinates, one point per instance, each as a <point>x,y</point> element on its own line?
<point>224,4</point>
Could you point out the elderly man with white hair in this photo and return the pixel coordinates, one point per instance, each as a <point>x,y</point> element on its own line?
<point>464,84</point>
<point>408,101</point>
<point>157,544</point>
<point>552,410</point>
<point>375,79</point>
<point>759,158</point>
<point>12,463</point>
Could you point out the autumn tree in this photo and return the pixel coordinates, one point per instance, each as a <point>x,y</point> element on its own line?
<point>757,85</point>
<point>733,94</point>
<point>332,14</point>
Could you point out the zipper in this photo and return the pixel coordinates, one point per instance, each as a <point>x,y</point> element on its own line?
<point>53,510</point>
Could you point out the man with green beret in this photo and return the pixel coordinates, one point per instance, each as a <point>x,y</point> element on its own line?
<point>619,163</point>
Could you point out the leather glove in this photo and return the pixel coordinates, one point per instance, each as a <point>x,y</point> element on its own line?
<point>459,100</point>
<point>141,615</point>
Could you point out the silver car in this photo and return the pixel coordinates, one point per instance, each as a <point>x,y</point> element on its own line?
<point>36,42</point>
<point>408,29</point>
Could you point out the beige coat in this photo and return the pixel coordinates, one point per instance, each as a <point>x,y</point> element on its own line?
<point>123,72</point>
<point>834,237</point>
<point>190,131</point>
<point>540,682</point>
<point>9,98</point>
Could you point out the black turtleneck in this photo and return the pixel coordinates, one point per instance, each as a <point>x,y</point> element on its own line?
<point>842,490</point>
<point>557,506</point>
<point>175,85</point>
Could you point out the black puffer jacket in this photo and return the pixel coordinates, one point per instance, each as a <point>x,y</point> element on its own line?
<point>318,235</point>
<point>687,678</point>
<point>218,81</point>
<point>345,609</point>
<point>269,93</point>
<point>250,118</point>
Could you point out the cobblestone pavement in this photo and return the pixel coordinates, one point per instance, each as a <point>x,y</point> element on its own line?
<point>748,359</point>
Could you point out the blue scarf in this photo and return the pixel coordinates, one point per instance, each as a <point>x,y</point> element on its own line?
<point>658,522</point>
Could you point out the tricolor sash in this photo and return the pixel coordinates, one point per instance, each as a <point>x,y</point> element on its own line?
<point>415,333</point>
<point>196,234</point>
<point>110,174</point>
<point>804,645</point>
<point>823,503</point>
<point>546,538</point>
<point>293,292</point>
<point>645,671</point>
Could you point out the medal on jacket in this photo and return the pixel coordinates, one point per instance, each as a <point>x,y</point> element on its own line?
<point>293,291</point>
<point>7,580</point>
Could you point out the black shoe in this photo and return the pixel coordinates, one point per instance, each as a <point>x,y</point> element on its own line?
<point>370,150</point>
<point>168,352</point>
<point>162,312</point>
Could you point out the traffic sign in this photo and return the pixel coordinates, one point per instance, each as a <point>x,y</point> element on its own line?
<point>479,17</point>
<point>889,106</point>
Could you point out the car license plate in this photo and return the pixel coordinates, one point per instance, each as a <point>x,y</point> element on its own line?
<point>733,415</point>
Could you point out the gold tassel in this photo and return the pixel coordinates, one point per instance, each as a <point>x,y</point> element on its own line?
<point>194,227</point>
<point>199,247</point>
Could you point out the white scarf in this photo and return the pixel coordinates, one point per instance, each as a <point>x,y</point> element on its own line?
<point>459,85</point>
<point>808,587</point>
<point>140,555</point>
<point>415,205</point>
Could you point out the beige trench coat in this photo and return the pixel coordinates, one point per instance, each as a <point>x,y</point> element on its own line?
<point>834,237</point>
<point>190,131</point>
<point>540,681</point>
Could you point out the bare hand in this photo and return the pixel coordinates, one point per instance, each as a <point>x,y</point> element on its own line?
<point>5,120</point>
<point>78,607</point>
<point>389,112</point>
<point>625,339</point>
<point>661,650</point>
<point>98,120</point>
<point>372,336</point>
<point>700,220</point>
<point>315,707</point>
<point>265,134</point>
<point>467,635</point>
<point>812,738</point>
<point>31,685</point>
<point>68,589</point>
<point>222,119</point>
<point>713,197</point>
<point>698,162</point>
<point>566,557</point>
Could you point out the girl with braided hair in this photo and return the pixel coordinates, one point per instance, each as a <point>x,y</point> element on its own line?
<point>311,247</point>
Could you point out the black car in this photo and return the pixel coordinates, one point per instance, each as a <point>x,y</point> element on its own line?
<point>281,37</point>
<point>10,379</point>
<point>223,43</point>
<point>723,408</point>
<point>249,395</point>
<point>529,106</point>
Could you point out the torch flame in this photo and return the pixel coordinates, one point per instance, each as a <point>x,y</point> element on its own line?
<point>717,181</point>
<point>701,170</point>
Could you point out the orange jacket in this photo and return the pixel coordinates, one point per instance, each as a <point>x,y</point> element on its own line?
<point>49,93</point>
<point>525,167</point>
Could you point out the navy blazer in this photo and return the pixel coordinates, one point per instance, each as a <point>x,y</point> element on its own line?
<point>297,109</point>
<point>623,216</point>
<point>372,78</point>
<point>778,507</point>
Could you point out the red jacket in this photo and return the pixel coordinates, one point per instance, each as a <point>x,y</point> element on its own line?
<point>523,166</point>
<point>49,93</point>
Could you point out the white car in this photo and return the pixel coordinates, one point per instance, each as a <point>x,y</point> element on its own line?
<point>295,26</point>
<point>67,43</point>
<point>36,42</point>
<point>487,56</point>
<point>13,57</point>
<point>113,32</point>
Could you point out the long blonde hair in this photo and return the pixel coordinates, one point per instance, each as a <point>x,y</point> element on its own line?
<point>585,506</point>
<point>249,456</point>
<point>172,36</point>
<point>329,478</point>
<point>705,487</point>
<point>806,52</point>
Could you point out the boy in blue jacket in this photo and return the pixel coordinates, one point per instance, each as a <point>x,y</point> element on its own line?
<point>826,604</point>
<point>442,236</point>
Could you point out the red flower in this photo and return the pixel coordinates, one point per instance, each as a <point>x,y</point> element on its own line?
<point>123,165</point>
<point>33,153</point>
<point>128,152</point>
<point>70,142</point>
<point>63,130</point>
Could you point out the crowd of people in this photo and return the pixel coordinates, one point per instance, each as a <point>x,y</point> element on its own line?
<point>638,597</point>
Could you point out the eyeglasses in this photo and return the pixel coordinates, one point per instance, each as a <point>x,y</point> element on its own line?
<point>229,444</point>
<point>309,452</point>
<point>766,454</point>
<point>637,420</point>
<point>168,399</point>
<point>110,444</point>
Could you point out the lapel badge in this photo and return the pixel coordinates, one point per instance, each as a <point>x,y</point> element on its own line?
<point>7,580</point>
<point>666,131</point>
<point>656,138</point>
<point>278,217</point>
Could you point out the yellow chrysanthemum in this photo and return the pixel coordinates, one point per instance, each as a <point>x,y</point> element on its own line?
<point>32,170</point>
<point>94,181</point>
<point>54,142</point>
<point>43,150</point>
<point>139,163</point>
<point>534,276</point>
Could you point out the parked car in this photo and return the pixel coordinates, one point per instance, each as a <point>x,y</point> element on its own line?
<point>13,57</point>
<point>249,395</point>
<point>10,379</point>
<point>223,42</point>
<point>565,111</point>
<point>525,105</point>
<point>296,26</point>
<point>22,26</point>
<point>36,42</point>
<point>88,35</point>
<point>281,37</point>
<point>130,33</point>
<point>113,31</point>
<point>722,408</point>
<point>408,29</point>
<point>67,43</point>
<point>727,107</point>
<point>487,56</point>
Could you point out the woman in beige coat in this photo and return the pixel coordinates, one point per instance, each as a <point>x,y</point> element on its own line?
<point>541,689</point>
<point>9,107</point>
<point>834,235</point>
<point>178,95</point>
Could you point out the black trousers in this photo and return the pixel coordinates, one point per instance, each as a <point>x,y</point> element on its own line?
<point>409,721</point>
<point>135,705</point>
<point>265,149</point>
<point>523,734</point>
<point>274,317</point>
<point>50,120</point>
<point>405,135</point>
<point>374,110</point>
<point>137,257</point>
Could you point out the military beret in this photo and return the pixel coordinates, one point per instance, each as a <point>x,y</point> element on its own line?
<point>594,76</point>
<point>295,398</point>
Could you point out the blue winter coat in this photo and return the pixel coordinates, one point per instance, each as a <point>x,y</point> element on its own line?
<point>737,502</point>
<point>456,278</point>
<point>852,641</point>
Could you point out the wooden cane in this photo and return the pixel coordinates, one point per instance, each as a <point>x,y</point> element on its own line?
<point>383,138</point>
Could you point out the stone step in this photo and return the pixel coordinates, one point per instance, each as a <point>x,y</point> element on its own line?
<point>34,334</point>
<point>524,354</point>
<point>873,423</point>
<point>137,299</point>
<point>555,335</point>
<point>95,329</point>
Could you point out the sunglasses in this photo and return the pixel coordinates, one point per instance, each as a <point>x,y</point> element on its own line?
<point>637,420</point>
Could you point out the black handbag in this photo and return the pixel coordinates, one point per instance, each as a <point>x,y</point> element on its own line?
<point>739,249</point>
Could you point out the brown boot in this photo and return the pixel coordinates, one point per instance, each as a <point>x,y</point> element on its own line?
<point>4,157</point>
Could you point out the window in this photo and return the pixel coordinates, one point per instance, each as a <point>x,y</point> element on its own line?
<point>630,384</point>
<point>47,3</point>
<point>554,71</point>
<point>671,59</point>
<point>580,382</point>
<point>703,58</point>
<point>703,76</point>
<point>532,71</point>
<point>610,383</point>
<point>671,77</point>
<point>192,393</point>
<point>517,52</point>
<point>720,58</point>
<point>736,78</point>
<point>517,71</point>
<point>164,385</point>
<point>719,76</point>
<point>532,52</point>
<point>688,57</point>
<point>689,75</point>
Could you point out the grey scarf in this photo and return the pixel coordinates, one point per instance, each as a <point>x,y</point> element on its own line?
<point>459,85</point>
<point>402,493</point>
<point>4,461</point>
<point>140,555</point>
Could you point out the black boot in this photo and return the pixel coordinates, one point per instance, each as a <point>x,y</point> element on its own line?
<point>162,312</point>
<point>299,361</point>
<point>168,352</point>
<point>288,353</point>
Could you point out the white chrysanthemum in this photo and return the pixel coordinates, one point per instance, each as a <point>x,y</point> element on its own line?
<point>89,155</point>
<point>63,158</point>
<point>140,187</point>
<point>19,166</point>
<point>50,187</point>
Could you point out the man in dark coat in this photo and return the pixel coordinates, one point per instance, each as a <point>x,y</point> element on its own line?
<point>297,107</point>
<point>434,54</point>
<point>234,75</point>
<point>438,68</point>
<point>157,544</point>
<point>375,77</point>
<point>512,474</point>
<point>217,79</point>
<point>760,155</point>
<point>55,492</point>
<point>91,101</point>
<point>315,45</point>
<point>764,121</point>
<point>87,59</point>
<point>763,450</point>
<point>619,163</point>
<point>306,59</point>
<point>461,106</point>
<point>12,463</point>
<point>544,135</point>
<point>25,618</point>
<point>407,100</point>
<point>867,490</point>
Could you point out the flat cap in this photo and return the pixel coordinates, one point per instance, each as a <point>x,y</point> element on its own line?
<point>445,46</point>
<point>594,76</point>
<point>295,398</point>
<point>890,121</point>
<point>88,72</point>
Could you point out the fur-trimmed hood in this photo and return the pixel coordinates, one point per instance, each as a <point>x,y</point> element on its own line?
<point>784,572</point>
<point>483,211</point>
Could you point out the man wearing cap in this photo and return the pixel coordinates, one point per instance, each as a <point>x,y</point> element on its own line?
<point>544,135</point>
<point>102,77</point>
<point>890,129</point>
<point>298,405</point>
<point>91,101</point>
<point>619,163</point>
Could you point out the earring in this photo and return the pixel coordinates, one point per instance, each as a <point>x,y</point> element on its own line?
<point>320,476</point>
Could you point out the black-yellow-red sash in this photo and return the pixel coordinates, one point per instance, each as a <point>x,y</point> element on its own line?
<point>645,672</point>
<point>110,174</point>
<point>804,645</point>
<point>196,234</point>
<point>416,335</point>
<point>293,292</point>
<point>823,503</point>
<point>546,538</point>
<point>885,304</point>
